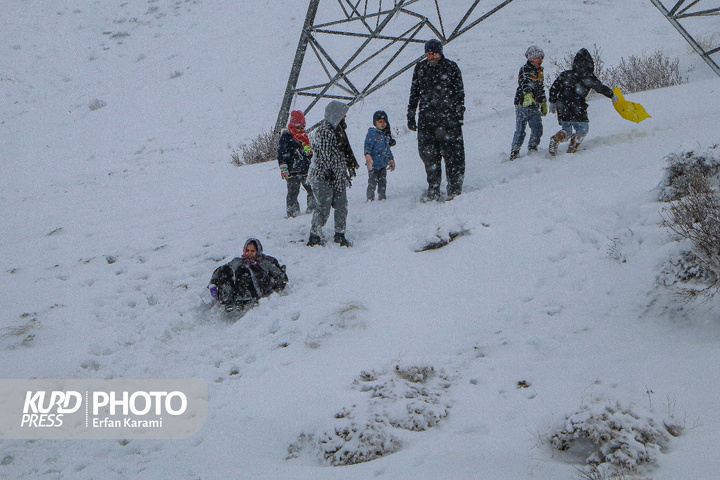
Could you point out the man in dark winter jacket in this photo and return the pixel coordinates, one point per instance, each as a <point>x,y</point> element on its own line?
<point>437,90</point>
<point>567,97</point>
<point>329,175</point>
<point>530,102</point>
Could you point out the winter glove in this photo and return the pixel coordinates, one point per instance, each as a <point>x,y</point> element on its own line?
<point>284,172</point>
<point>529,100</point>
<point>308,149</point>
<point>368,162</point>
<point>543,108</point>
<point>553,109</point>
<point>615,99</point>
<point>392,142</point>
<point>391,165</point>
<point>214,291</point>
<point>411,122</point>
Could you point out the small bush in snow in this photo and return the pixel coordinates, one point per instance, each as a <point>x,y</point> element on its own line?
<point>692,185</point>
<point>349,442</point>
<point>707,42</point>
<point>407,399</point>
<point>262,149</point>
<point>637,74</point>
<point>598,473</point>
<point>619,440</point>
<point>688,170</point>
<point>696,217</point>
<point>685,268</point>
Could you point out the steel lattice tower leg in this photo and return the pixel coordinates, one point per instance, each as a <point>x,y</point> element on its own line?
<point>296,66</point>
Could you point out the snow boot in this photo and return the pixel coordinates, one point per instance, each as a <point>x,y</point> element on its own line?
<point>575,142</point>
<point>514,152</point>
<point>432,194</point>
<point>315,240</point>
<point>555,140</point>
<point>340,238</point>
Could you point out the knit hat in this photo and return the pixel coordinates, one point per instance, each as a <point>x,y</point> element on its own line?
<point>433,46</point>
<point>534,52</point>
<point>297,119</point>
<point>379,115</point>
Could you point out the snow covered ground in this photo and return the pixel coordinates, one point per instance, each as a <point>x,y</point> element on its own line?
<point>118,201</point>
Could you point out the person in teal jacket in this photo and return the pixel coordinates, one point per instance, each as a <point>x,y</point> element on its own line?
<point>378,156</point>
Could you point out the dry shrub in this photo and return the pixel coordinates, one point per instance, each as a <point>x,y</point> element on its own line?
<point>410,398</point>
<point>638,74</point>
<point>262,149</point>
<point>692,181</point>
<point>707,42</point>
<point>619,439</point>
<point>696,217</point>
<point>686,170</point>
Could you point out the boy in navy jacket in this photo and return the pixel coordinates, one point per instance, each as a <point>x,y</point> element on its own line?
<point>378,156</point>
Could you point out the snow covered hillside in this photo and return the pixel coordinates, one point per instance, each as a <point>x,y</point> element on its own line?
<point>118,201</point>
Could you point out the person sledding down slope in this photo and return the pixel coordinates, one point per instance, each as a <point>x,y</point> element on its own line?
<point>567,96</point>
<point>240,283</point>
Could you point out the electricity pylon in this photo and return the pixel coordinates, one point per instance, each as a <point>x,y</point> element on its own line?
<point>689,14</point>
<point>355,43</point>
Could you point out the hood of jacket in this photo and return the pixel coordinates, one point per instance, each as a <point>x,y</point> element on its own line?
<point>297,119</point>
<point>256,242</point>
<point>583,63</point>
<point>334,112</point>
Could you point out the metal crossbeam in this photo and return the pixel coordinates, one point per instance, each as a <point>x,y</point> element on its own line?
<point>382,30</point>
<point>681,12</point>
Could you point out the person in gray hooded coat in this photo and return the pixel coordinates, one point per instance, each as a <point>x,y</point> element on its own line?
<point>329,177</point>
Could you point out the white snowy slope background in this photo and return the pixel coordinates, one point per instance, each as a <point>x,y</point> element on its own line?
<point>118,201</point>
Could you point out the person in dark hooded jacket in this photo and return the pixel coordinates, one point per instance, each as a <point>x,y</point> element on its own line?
<point>567,98</point>
<point>294,154</point>
<point>437,93</point>
<point>245,279</point>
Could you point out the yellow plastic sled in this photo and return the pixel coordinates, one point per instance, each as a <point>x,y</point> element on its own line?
<point>628,110</point>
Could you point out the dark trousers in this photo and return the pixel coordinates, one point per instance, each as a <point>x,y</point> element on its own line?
<point>293,191</point>
<point>377,179</point>
<point>436,143</point>
<point>327,197</point>
<point>234,286</point>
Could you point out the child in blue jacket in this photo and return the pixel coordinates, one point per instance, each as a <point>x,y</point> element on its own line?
<point>378,156</point>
